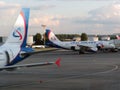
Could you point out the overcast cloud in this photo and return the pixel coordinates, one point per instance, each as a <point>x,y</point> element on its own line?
<point>64,16</point>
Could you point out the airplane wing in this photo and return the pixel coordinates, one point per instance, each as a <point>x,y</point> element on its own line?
<point>57,62</point>
<point>23,53</point>
<point>87,47</point>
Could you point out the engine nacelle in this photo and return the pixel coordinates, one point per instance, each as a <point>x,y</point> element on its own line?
<point>4,58</point>
<point>75,48</point>
<point>94,49</point>
<point>100,46</point>
<point>7,57</point>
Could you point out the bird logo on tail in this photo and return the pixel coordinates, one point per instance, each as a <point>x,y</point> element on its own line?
<point>17,33</point>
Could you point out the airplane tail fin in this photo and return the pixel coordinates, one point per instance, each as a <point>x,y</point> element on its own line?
<point>50,37</point>
<point>118,37</point>
<point>20,29</point>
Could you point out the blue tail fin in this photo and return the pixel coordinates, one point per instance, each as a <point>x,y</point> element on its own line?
<point>20,29</point>
<point>51,39</point>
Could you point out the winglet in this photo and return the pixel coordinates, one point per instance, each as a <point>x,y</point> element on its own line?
<point>58,62</point>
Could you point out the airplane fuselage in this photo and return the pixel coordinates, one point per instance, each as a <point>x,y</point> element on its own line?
<point>81,46</point>
<point>76,45</point>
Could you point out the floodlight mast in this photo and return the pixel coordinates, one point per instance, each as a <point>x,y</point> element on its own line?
<point>43,36</point>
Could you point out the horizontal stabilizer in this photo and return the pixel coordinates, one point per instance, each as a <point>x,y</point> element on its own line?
<point>57,62</point>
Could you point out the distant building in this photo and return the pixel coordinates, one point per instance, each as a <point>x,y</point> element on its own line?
<point>76,39</point>
<point>30,40</point>
<point>92,38</point>
<point>105,37</point>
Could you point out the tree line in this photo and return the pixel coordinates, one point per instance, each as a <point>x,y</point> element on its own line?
<point>39,38</point>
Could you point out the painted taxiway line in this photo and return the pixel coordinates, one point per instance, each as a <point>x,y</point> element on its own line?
<point>72,76</point>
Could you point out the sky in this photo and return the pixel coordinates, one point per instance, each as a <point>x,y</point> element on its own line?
<point>63,16</point>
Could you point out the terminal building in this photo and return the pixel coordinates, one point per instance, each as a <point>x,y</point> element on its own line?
<point>29,39</point>
<point>105,37</point>
<point>93,38</point>
<point>90,38</point>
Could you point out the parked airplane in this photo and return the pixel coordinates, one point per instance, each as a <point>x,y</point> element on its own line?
<point>118,37</point>
<point>14,49</point>
<point>81,46</point>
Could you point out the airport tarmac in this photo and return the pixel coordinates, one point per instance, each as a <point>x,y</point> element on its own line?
<point>99,71</point>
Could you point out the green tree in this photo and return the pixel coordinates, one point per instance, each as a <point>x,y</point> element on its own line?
<point>113,37</point>
<point>62,37</point>
<point>37,39</point>
<point>84,37</point>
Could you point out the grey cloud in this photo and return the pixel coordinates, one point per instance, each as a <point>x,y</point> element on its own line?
<point>42,7</point>
<point>4,5</point>
<point>106,15</point>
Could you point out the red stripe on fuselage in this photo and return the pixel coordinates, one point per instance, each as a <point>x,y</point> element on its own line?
<point>22,14</point>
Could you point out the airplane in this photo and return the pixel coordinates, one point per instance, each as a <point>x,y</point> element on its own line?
<point>14,49</point>
<point>82,46</point>
<point>118,37</point>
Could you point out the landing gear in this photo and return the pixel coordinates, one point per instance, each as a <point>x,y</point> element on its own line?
<point>82,50</point>
<point>114,50</point>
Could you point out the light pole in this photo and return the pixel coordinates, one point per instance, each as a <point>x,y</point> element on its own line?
<point>43,27</point>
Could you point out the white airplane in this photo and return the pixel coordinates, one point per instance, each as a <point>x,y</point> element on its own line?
<point>14,49</point>
<point>81,46</point>
<point>118,37</point>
